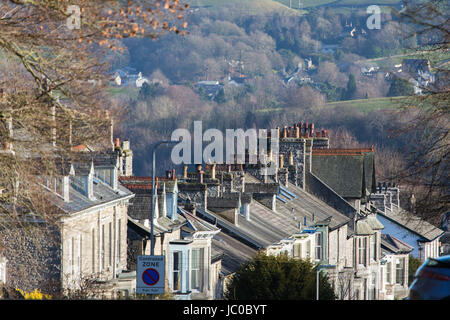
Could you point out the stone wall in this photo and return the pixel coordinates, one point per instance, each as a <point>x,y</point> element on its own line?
<point>33,254</point>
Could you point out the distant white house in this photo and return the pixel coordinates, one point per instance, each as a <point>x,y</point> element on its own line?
<point>126,77</point>
<point>141,80</point>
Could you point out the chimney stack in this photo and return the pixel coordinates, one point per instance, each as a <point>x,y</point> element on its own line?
<point>213,171</point>
<point>285,132</point>
<point>185,172</point>
<point>200,173</point>
<point>281,160</point>
<point>291,158</point>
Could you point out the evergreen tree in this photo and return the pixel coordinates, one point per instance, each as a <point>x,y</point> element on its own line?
<point>278,278</point>
<point>351,88</point>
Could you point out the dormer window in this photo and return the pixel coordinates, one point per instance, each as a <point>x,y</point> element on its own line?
<point>108,176</point>
<point>57,185</point>
<point>104,175</point>
<point>79,183</point>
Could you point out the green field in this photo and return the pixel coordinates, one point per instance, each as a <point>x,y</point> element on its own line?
<point>367,105</point>
<point>244,6</point>
<point>363,105</point>
<point>131,92</point>
<point>252,7</point>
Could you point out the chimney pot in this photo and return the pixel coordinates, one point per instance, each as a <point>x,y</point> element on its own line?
<point>281,160</point>
<point>213,171</point>
<point>312,129</point>
<point>185,171</point>
<point>297,132</point>
<point>173,174</point>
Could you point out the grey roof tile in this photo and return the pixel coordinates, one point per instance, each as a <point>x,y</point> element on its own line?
<point>414,224</point>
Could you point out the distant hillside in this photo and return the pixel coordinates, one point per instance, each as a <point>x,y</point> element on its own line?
<point>260,6</point>
<point>245,6</point>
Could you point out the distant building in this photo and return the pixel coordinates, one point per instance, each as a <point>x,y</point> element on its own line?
<point>419,73</point>
<point>211,88</point>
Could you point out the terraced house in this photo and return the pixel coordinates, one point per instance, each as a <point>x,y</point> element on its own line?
<point>84,247</point>
<point>295,212</point>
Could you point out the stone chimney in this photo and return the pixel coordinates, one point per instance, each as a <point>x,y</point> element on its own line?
<point>185,172</point>
<point>213,170</point>
<point>200,173</point>
<point>127,155</point>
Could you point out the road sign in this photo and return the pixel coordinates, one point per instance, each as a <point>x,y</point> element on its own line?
<point>150,275</point>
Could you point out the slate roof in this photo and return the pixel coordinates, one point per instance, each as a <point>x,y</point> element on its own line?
<point>196,223</point>
<point>305,205</point>
<point>102,193</point>
<point>414,224</point>
<point>139,231</point>
<point>266,226</point>
<point>363,228</point>
<point>349,172</point>
<point>235,253</point>
<point>141,205</point>
<point>390,244</point>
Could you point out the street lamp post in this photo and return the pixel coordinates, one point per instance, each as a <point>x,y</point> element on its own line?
<point>325,266</point>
